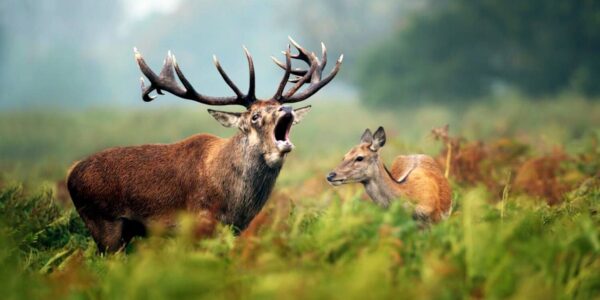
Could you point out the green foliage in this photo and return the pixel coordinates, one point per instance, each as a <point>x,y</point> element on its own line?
<point>38,146</point>
<point>315,241</point>
<point>351,248</point>
<point>463,49</point>
<point>38,225</point>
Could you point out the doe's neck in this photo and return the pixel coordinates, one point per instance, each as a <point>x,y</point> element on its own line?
<point>382,188</point>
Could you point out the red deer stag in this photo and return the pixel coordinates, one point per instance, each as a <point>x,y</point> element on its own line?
<point>118,191</point>
<point>418,178</point>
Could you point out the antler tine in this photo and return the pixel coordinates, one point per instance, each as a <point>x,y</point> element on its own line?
<point>313,75</point>
<point>309,58</point>
<point>323,55</point>
<point>167,70</point>
<point>302,80</point>
<point>195,96</point>
<point>148,73</point>
<point>295,79</point>
<point>315,86</point>
<point>251,86</point>
<point>226,78</point>
<point>166,81</point>
<point>303,54</point>
<point>146,91</point>
<point>296,71</point>
<point>286,75</point>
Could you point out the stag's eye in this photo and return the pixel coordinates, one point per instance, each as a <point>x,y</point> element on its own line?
<point>359,158</point>
<point>255,117</point>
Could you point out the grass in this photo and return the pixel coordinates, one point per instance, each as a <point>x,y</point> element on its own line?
<point>311,240</point>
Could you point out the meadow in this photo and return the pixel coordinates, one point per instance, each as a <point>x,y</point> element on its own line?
<point>526,189</point>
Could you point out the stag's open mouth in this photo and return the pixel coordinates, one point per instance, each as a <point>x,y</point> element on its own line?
<point>281,133</point>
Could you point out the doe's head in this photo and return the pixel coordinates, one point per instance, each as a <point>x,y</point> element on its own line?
<point>361,162</point>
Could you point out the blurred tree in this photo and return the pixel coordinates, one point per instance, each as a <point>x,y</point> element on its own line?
<point>2,53</point>
<point>348,25</point>
<point>461,49</point>
<point>54,54</point>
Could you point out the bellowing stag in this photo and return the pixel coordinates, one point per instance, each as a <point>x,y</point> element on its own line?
<point>119,191</point>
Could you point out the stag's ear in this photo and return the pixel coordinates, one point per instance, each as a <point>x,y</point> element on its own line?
<point>227,119</point>
<point>300,113</point>
<point>378,139</point>
<point>367,137</point>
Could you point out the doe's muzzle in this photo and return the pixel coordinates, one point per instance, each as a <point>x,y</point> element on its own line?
<point>331,176</point>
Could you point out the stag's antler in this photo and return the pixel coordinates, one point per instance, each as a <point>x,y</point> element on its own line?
<point>165,81</point>
<point>312,75</point>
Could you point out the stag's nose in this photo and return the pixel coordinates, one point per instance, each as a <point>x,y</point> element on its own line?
<point>331,176</point>
<point>285,109</point>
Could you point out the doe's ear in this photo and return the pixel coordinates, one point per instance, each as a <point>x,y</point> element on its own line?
<point>227,119</point>
<point>300,113</point>
<point>378,139</point>
<point>367,137</point>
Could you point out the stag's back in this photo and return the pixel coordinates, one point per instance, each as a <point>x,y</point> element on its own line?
<point>139,181</point>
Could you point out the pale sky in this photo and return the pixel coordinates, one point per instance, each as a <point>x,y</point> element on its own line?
<point>136,10</point>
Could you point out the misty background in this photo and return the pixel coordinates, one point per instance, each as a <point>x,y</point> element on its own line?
<point>66,54</point>
<point>75,54</point>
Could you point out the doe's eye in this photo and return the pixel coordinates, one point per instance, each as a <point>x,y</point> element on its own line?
<point>359,158</point>
<point>255,117</point>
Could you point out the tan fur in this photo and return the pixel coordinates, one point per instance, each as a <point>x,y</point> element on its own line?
<point>418,178</point>
<point>426,185</point>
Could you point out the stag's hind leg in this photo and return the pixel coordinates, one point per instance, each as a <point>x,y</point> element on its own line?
<point>113,234</point>
<point>106,233</point>
<point>108,236</point>
<point>130,229</point>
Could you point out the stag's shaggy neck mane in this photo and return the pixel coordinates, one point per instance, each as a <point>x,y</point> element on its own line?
<point>246,179</point>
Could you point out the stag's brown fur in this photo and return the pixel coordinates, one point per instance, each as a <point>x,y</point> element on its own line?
<point>119,191</point>
<point>151,182</point>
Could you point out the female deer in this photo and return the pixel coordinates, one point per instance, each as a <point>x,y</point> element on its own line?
<point>417,178</point>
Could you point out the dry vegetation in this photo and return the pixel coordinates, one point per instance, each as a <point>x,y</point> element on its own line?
<point>525,222</point>
<point>547,176</point>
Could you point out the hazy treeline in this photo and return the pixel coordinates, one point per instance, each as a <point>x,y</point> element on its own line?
<point>465,49</point>
<point>65,54</point>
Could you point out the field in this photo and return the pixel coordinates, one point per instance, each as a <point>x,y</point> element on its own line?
<point>526,188</point>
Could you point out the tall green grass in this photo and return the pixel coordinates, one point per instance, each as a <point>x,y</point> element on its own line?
<point>349,249</point>
<point>39,145</point>
<point>311,241</point>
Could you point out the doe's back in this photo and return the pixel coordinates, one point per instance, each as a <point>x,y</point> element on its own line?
<point>425,184</point>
